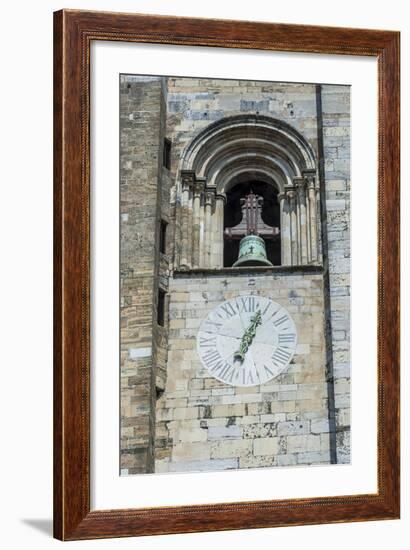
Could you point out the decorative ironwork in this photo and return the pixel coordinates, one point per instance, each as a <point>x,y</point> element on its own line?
<point>248,336</point>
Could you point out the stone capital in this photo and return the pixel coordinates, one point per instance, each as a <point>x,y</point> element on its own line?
<point>310,178</point>
<point>198,188</point>
<point>209,197</point>
<point>299,183</point>
<point>187,179</point>
<point>290,192</point>
<point>220,198</point>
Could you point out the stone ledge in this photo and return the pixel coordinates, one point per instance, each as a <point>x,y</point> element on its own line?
<point>254,270</point>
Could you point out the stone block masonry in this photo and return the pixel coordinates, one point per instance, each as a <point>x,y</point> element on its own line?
<point>204,424</point>
<point>174,416</point>
<point>336,142</point>
<point>142,118</point>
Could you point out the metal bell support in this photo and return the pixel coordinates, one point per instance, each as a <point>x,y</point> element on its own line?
<point>252,251</point>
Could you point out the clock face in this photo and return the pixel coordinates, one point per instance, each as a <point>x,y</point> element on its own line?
<point>247,341</point>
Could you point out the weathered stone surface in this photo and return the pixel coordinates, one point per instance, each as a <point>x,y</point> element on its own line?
<point>142,129</point>
<point>266,446</point>
<point>252,425</point>
<point>336,110</point>
<point>224,432</point>
<point>171,409</point>
<point>293,428</point>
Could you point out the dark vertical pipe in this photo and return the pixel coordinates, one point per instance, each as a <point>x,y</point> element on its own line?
<point>326,281</point>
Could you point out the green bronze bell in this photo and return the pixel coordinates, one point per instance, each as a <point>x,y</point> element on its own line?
<point>252,251</point>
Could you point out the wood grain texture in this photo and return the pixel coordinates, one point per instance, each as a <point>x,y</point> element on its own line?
<point>73,32</point>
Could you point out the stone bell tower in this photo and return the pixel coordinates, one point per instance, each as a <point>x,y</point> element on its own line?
<point>208,166</point>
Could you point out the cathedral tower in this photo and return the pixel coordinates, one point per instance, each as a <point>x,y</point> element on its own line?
<point>234,274</point>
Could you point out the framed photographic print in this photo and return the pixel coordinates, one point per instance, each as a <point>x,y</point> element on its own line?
<point>226,275</point>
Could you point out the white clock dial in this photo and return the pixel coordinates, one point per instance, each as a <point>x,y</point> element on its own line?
<point>247,341</point>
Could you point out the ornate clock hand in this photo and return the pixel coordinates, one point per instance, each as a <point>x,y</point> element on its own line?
<point>248,336</point>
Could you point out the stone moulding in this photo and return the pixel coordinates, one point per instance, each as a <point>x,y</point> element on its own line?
<point>249,270</point>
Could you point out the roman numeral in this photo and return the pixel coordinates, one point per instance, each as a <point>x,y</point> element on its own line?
<point>281,356</point>
<point>231,376</point>
<point>214,324</point>
<point>212,359</point>
<point>207,342</point>
<point>228,310</point>
<point>250,379</point>
<point>222,369</point>
<point>247,304</point>
<point>217,365</point>
<point>268,372</point>
<point>280,320</point>
<point>266,308</point>
<point>287,338</point>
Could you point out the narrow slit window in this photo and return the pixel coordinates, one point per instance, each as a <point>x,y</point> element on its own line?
<point>161,308</point>
<point>166,154</point>
<point>163,237</point>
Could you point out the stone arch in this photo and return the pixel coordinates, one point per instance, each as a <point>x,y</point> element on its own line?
<point>247,138</point>
<point>238,147</point>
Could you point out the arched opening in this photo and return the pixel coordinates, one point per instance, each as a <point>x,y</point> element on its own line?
<point>226,161</point>
<point>267,222</point>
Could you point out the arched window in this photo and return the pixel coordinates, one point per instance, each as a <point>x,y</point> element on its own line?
<point>221,166</point>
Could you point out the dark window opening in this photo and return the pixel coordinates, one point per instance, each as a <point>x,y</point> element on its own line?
<point>163,237</point>
<point>269,219</point>
<point>161,308</point>
<point>166,154</point>
<point>159,392</point>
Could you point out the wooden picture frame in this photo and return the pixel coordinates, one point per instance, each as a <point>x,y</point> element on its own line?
<point>74,32</point>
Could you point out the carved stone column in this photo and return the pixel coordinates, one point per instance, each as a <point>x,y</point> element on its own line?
<point>285,236</point>
<point>313,218</point>
<point>197,191</point>
<point>202,232</point>
<point>308,228</point>
<point>209,203</point>
<point>201,237</point>
<point>186,226</point>
<point>217,253</point>
<point>300,184</point>
<point>294,237</point>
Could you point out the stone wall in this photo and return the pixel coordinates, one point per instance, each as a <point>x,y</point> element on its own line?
<point>204,424</point>
<point>336,142</point>
<point>174,417</point>
<point>194,103</point>
<point>142,117</point>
